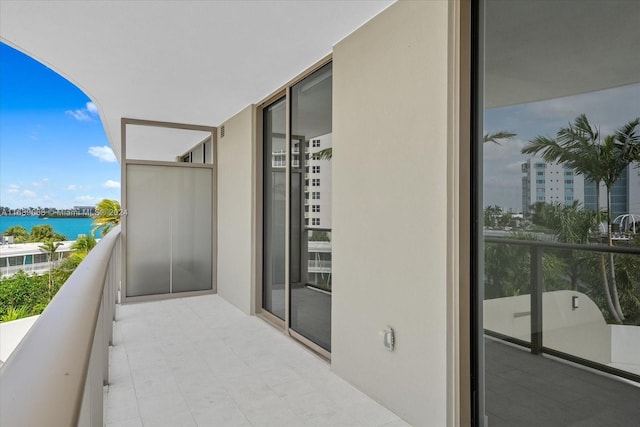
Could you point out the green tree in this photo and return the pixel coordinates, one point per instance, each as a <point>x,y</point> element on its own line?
<point>50,247</point>
<point>19,233</point>
<point>44,232</point>
<point>13,313</point>
<point>491,215</point>
<point>581,147</point>
<point>22,290</point>
<point>82,246</point>
<point>107,216</point>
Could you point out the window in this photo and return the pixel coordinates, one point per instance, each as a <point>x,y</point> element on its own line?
<point>315,221</point>
<point>315,182</point>
<point>542,106</point>
<point>315,195</point>
<point>316,143</point>
<point>539,181</point>
<point>315,169</point>
<point>315,208</point>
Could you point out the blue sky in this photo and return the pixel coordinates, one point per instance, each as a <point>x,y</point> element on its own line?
<point>53,149</point>
<point>607,109</point>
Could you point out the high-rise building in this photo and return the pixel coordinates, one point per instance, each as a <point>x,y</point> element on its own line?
<point>549,182</point>
<point>625,193</point>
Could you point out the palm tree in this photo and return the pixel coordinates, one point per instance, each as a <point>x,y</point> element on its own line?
<point>496,137</point>
<point>107,216</point>
<point>50,247</point>
<point>581,148</point>
<point>82,246</point>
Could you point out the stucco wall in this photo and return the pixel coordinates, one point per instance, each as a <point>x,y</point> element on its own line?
<point>581,332</point>
<point>11,333</point>
<point>389,209</point>
<point>235,157</point>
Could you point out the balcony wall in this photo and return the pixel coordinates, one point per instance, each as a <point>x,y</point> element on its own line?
<point>235,210</point>
<point>390,217</point>
<point>384,274</point>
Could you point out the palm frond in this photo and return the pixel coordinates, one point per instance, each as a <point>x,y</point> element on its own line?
<point>496,137</point>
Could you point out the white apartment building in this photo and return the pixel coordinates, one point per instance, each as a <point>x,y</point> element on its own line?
<point>550,183</point>
<point>318,185</point>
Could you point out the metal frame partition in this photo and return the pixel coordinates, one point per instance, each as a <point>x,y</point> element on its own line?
<point>126,163</point>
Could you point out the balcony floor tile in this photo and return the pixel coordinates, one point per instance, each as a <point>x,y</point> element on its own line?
<point>199,361</point>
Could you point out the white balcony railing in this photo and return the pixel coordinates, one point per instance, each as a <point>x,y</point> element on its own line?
<point>55,376</point>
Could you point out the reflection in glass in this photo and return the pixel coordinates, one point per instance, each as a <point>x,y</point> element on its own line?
<point>543,88</point>
<point>274,166</point>
<point>310,200</point>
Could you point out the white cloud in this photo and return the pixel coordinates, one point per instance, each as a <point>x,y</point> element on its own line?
<point>91,108</point>
<point>104,153</point>
<point>13,188</point>
<point>111,184</point>
<point>28,193</point>
<point>40,183</point>
<point>80,115</point>
<point>85,114</point>
<point>87,199</point>
<point>72,187</point>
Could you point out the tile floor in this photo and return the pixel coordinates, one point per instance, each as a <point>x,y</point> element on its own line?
<point>526,390</point>
<point>199,361</point>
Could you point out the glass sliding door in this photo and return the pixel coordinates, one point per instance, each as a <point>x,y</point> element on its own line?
<point>310,207</point>
<point>297,209</point>
<point>274,213</point>
<point>559,100</point>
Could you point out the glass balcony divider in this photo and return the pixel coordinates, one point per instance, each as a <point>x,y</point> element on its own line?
<point>536,308</point>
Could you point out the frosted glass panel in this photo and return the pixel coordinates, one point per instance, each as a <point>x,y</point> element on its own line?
<point>169,229</point>
<point>148,230</point>
<point>191,230</point>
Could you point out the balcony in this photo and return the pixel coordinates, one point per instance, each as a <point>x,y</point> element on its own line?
<point>551,356</point>
<point>194,361</point>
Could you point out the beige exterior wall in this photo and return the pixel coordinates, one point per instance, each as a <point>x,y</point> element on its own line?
<point>235,207</point>
<point>390,94</point>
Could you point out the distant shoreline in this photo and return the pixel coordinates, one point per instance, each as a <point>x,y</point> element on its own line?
<point>69,226</point>
<point>48,213</point>
<point>64,216</point>
<point>53,216</point>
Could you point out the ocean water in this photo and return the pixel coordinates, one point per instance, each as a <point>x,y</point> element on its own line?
<point>70,227</point>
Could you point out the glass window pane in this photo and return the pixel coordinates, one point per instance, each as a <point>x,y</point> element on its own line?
<point>273,293</point>
<point>561,98</point>
<point>311,249</point>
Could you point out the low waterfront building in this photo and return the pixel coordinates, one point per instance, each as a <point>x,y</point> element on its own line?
<point>29,257</point>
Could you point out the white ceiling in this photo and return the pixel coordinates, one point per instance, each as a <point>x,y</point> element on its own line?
<point>200,62</point>
<point>195,62</point>
<point>537,50</point>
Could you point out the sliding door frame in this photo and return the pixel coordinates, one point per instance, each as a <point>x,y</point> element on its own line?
<point>284,91</point>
